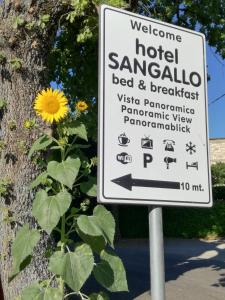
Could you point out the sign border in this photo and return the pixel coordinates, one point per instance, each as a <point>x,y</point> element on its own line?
<point>101,132</point>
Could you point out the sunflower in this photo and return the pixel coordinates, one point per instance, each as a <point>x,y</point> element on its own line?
<point>81,105</point>
<point>51,105</point>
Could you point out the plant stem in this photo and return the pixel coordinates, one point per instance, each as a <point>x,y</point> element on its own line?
<point>83,296</point>
<point>51,280</point>
<point>73,216</point>
<point>63,225</point>
<point>71,231</point>
<point>70,294</point>
<point>61,285</point>
<point>63,228</point>
<point>55,140</point>
<point>68,149</point>
<point>82,175</point>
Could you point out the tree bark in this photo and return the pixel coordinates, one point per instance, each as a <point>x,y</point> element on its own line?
<point>18,87</point>
<point>1,292</point>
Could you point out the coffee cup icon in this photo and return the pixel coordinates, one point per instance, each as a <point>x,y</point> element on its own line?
<point>123,140</point>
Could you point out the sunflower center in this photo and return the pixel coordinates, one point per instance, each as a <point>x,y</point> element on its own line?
<point>52,105</point>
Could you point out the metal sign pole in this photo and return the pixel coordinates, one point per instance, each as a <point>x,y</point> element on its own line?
<point>157,271</point>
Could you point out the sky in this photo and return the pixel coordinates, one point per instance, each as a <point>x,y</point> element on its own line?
<point>216,87</point>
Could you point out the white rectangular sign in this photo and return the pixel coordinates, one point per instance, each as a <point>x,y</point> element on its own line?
<point>153,135</point>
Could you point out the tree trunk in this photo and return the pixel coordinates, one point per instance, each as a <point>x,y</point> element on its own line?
<point>1,291</point>
<point>19,83</point>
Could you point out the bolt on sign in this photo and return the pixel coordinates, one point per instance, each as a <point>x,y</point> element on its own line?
<point>153,132</point>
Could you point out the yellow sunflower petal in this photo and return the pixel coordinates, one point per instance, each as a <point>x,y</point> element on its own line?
<point>51,105</point>
<point>81,105</point>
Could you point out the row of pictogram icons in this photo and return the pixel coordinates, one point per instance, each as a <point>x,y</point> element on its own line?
<point>147,143</point>
<point>126,158</point>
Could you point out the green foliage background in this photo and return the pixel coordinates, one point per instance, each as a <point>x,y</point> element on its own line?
<point>182,222</point>
<point>177,222</point>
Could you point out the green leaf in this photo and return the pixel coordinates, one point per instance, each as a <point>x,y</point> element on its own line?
<point>89,225</point>
<point>40,144</point>
<point>74,211</point>
<point>80,146</point>
<point>97,243</point>
<point>40,179</point>
<point>106,222</point>
<point>19,21</point>
<point>75,128</point>
<point>110,272</point>
<point>101,223</point>
<point>65,172</point>
<point>89,187</point>
<point>56,263</point>
<point>56,147</point>
<point>100,296</point>
<point>32,292</point>
<point>23,247</point>
<point>48,209</point>
<point>36,292</point>
<point>53,294</point>
<point>3,103</point>
<point>45,18</point>
<point>30,25</point>
<point>16,63</point>
<point>77,146</point>
<point>74,267</point>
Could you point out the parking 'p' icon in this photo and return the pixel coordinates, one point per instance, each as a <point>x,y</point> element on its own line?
<point>147,159</point>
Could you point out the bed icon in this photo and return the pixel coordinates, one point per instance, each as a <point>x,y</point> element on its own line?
<point>192,165</point>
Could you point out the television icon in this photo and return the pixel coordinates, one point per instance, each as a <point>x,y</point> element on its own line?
<point>147,143</point>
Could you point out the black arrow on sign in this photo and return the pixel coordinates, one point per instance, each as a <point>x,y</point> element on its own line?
<point>128,182</point>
